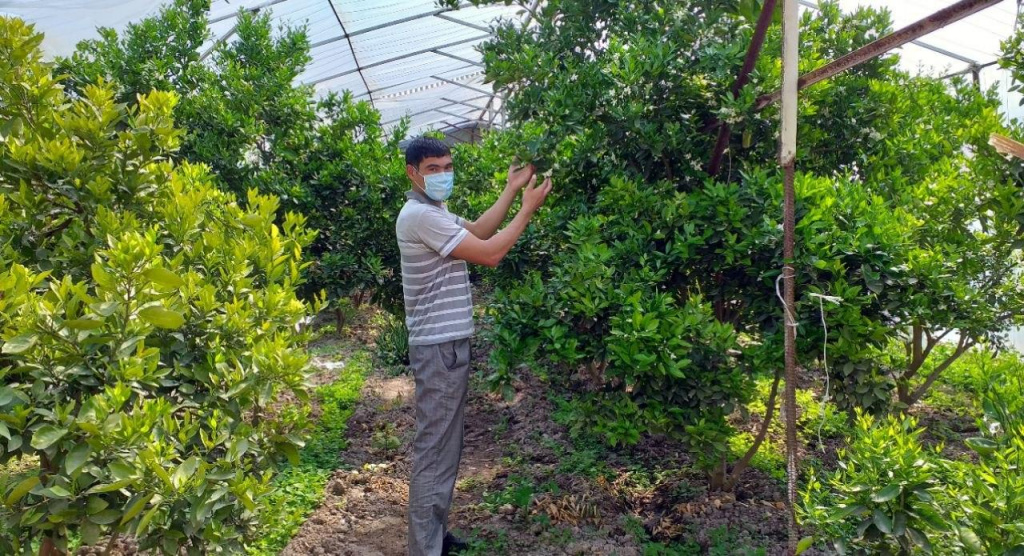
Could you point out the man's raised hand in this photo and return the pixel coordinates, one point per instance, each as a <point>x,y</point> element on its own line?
<point>520,176</point>
<point>534,195</point>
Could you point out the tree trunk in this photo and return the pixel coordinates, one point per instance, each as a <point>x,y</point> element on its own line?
<point>729,483</point>
<point>49,548</point>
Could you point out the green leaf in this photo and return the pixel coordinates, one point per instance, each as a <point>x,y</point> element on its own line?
<point>970,541</point>
<point>20,344</point>
<point>850,510</point>
<point>803,545</point>
<point>7,396</point>
<point>77,457</point>
<point>899,524</point>
<point>106,517</point>
<point>22,489</point>
<point>983,446</point>
<point>105,309</point>
<point>164,277</point>
<point>56,491</point>
<point>83,324</point>
<point>90,533</point>
<point>185,471</point>
<point>47,436</point>
<point>887,493</point>
<point>883,521</point>
<point>96,504</point>
<point>252,220</point>
<point>146,519</point>
<point>134,508</point>
<point>116,485</point>
<point>920,539</point>
<point>163,318</point>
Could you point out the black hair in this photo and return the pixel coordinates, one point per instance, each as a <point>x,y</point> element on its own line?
<point>425,147</point>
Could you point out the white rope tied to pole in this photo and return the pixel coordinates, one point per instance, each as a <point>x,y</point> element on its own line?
<point>790,317</point>
<point>824,360</point>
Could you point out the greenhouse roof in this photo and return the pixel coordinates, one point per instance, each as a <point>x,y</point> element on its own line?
<point>411,58</point>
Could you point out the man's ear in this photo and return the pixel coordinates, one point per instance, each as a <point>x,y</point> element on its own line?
<point>410,171</point>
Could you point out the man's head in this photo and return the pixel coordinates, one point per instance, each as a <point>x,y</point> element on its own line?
<point>424,157</point>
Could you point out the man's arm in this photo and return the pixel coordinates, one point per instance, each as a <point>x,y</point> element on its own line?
<point>489,252</point>
<point>489,222</point>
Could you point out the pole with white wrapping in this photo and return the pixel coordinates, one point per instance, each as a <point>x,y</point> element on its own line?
<point>787,158</point>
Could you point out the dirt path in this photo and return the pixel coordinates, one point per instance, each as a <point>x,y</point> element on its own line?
<point>523,489</point>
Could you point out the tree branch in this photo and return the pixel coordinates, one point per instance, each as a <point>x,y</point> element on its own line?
<point>744,462</point>
<point>964,345</point>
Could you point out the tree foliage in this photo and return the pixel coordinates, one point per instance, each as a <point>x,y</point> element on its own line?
<point>148,322</point>
<point>244,115</point>
<point>904,213</point>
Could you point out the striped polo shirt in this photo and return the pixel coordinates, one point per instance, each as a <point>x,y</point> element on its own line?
<point>438,302</point>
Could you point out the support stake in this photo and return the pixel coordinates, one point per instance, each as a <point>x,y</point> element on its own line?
<point>787,158</point>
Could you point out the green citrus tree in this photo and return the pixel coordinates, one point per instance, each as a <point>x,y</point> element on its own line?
<point>243,114</point>
<point>148,324</point>
<point>656,293</point>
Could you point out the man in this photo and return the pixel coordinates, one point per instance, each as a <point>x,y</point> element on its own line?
<point>435,247</point>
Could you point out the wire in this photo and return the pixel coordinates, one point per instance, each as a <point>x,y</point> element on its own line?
<point>828,379</point>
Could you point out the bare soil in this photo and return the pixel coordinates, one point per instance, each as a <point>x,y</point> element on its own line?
<point>508,444</point>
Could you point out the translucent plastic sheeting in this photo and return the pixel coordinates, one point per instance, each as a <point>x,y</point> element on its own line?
<point>411,58</point>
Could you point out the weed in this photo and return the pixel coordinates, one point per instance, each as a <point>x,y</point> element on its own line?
<point>392,343</point>
<point>469,484</point>
<point>518,492</point>
<point>385,440</point>
<point>298,490</point>
<point>491,543</point>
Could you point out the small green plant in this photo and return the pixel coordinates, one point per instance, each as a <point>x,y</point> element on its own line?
<point>487,543</point>
<point>883,497</point>
<point>518,493</point>
<point>299,490</point>
<point>989,495</point>
<point>392,342</point>
<point>385,441</point>
<point>337,402</point>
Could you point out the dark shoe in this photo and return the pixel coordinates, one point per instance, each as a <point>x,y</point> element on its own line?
<point>453,545</point>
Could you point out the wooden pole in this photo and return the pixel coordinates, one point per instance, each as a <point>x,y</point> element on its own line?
<point>787,158</point>
<point>1006,146</point>
<point>912,32</point>
<point>753,51</point>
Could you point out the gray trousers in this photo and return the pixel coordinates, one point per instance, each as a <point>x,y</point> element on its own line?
<point>442,375</point>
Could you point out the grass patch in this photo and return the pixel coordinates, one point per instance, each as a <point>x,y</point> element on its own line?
<point>300,489</point>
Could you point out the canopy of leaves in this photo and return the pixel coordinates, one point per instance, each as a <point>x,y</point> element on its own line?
<point>244,116</point>
<point>148,324</point>
<point>903,210</point>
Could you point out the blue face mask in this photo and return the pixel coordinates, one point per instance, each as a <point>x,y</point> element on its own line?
<point>439,186</point>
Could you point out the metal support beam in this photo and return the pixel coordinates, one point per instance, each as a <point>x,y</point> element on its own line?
<point>465,23</point>
<point>348,37</point>
<point>414,89</point>
<point>454,57</point>
<point>256,8</point>
<point>423,15</point>
<point>970,69</point>
<point>464,86</point>
<point>464,103</point>
<point>933,48</point>
<point>394,59</point>
<point>934,22</point>
<point>420,113</point>
<point>453,114</point>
